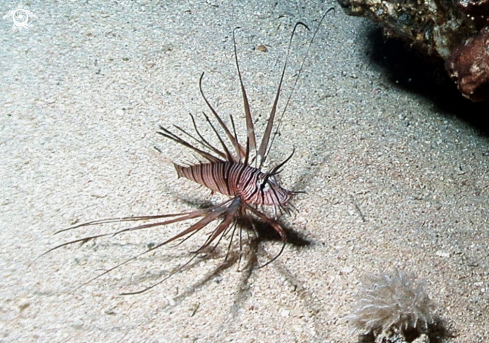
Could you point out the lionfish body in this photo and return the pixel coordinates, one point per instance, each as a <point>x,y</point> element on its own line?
<point>227,169</point>
<point>252,185</point>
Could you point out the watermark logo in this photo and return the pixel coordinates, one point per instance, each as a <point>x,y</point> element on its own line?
<point>20,18</point>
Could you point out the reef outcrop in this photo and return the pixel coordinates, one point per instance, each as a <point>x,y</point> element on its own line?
<point>455,30</point>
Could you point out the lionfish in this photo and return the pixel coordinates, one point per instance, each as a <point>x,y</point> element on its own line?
<point>234,170</point>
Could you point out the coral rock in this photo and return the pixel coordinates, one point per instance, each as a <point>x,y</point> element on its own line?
<point>468,66</point>
<point>478,10</point>
<point>453,30</point>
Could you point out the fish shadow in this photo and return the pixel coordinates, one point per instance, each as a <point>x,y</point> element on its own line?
<point>264,232</point>
<point>437,332</point>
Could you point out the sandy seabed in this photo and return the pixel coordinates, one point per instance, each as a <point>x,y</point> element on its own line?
<point>395,174</point>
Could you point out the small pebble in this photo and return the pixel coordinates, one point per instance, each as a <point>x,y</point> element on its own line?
<point>262,48</point>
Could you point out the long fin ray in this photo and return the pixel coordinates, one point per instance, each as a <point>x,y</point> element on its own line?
<point>237,147</point>
<point>250,127</point>
<point>296,79</point>
<point>266,135</point>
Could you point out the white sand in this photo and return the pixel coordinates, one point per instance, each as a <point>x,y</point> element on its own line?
<point>83,92</point>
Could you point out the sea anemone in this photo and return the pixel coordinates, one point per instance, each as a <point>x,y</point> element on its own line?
<point>391,304</point>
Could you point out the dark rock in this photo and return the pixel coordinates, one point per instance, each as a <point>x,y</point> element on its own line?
<point>468,66</point>
<point>450,29</point>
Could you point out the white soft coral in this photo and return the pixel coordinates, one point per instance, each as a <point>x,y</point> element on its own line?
<point>392,303</point>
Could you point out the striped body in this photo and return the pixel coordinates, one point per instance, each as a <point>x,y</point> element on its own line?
<point>237,179</point>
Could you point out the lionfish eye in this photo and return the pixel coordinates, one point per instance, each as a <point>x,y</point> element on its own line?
<point>264,182</point>
<point>265,186</point>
